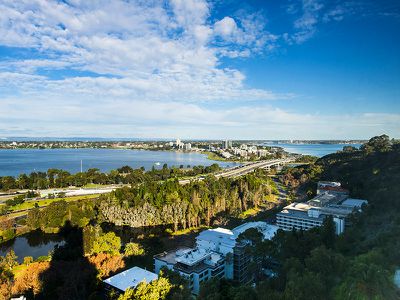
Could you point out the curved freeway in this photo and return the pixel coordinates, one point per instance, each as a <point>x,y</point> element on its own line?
<point>245,169</point>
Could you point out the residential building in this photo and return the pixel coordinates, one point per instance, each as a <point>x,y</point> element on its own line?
<point>218,253</point>
<point>188,146</point>
<point>331,200</point>
<point>195,264</point>
<point>130,278</point>
<point>179,144</point>
<point>225,154</point>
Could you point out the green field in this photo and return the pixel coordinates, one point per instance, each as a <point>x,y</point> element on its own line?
<point>31,204</point>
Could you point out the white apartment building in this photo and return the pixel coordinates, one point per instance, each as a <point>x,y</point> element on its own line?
<point>188,146</point>
<point>195,264</point>
<point>218,253</point>
<point>331,200</point>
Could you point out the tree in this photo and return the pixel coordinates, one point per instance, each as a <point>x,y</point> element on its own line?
<point>107,263</point>
<point>133,249</point>
<point>380,143</point>
<point>29,279</point>
<point>95,241</point>
<point>155,290</point>
<point>10,260</point>
<point>28,260</point>
<point>6,282</point>
<point>366,281</point>
<point>328,232</point>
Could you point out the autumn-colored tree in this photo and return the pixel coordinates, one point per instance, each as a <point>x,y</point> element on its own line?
<point>6,279</point>
<point>107,263</point>
<point>29,279</point>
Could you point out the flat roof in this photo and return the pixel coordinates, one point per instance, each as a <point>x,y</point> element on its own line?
<point>266,229</point>
<point>130,278</point>
<point>325,199</point>
<point>170,256</point>
<point>354,202</point>
<point>300,214</point>
<point>218,236</point>
<point>193,256</point>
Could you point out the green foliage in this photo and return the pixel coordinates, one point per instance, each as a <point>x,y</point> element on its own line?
<point>358,264</point>
<point>57,213</point>
<point>191,205</point>
<point>56,178</point>
<point>9,260</point>
<point>222,289</point>
<point>133,249</point>
<point>17,200</point>
<point>380,143</point>
<point>155,290</point>
<point>95,241</point>
<point>28,260</point>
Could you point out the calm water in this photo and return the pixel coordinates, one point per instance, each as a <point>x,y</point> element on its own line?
<point>318,150</point>
<point>16,161</point>
<point>35,244</point>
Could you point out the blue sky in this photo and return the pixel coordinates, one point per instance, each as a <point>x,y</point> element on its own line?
<point>292,69</point>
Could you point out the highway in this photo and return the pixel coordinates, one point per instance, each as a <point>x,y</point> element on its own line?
<point>244,169</point>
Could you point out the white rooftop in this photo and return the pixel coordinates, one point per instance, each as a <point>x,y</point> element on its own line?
<point>354,202</point>
<point>191,257</point>
<point>266,229</point>
<point>218,236</point>
<point>130,278</point>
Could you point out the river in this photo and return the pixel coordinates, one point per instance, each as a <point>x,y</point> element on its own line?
<point>17,161</point>
<point>318,150</point>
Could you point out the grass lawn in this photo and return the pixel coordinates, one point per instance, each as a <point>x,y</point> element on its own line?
<point>18,269</point>
<point>188,230</point>
<point>31,204</point>
<point>248,213</point>
<point>95,186</point>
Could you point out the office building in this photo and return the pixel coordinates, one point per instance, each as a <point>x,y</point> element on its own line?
<point>331,200</point>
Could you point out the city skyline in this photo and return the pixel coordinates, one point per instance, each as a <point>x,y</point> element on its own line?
<point>200,69</point>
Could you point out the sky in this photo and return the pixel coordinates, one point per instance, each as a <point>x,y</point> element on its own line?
<point>198,69</point>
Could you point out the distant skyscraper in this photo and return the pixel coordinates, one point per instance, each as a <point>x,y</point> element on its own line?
<point>226,144</point>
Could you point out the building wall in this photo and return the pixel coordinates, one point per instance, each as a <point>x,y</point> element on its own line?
<point>158,264</point>
<point>287,223</point>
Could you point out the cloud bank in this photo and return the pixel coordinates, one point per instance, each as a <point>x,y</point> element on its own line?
<point>148,69</point>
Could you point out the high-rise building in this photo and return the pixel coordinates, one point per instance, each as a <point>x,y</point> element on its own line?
<point>227,144</point>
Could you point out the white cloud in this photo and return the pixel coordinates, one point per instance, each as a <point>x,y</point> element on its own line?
<point>154,51</point>
<point>225,27</point>
<point>158,72</point>
<point>187,120</point>
<point>313,13</point>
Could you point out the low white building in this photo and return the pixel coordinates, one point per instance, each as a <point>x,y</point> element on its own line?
<point>129,279</point>
<point>331,200</point>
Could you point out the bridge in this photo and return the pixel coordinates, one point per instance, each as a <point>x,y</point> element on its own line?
<point>245,169</point>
